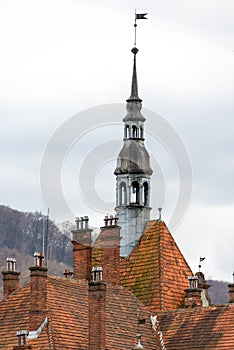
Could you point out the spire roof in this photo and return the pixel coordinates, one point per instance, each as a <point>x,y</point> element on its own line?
<point>134,91</point>
<point>134,101</point>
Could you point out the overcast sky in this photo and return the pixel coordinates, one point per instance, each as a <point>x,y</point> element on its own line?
<point>60,58</point>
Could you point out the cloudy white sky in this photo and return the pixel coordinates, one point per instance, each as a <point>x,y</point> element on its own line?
<point>60,58</point>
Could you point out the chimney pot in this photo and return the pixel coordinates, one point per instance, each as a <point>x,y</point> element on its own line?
<point>67,274</point>
<point>38,259</point>
<point>116,220</point>
<point>77,223</point>
<point>97,274</point>
<point>81,222</point>
<point>193,282</point>
<point>86,220</point>
<point>106,220</point>
<point>22,337</point>
<point>11,262</point>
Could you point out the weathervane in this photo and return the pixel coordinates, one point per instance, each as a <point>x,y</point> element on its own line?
<point>200,260</point>
<point>138,16</point>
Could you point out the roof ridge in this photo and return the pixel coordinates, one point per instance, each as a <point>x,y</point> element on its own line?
<point>50,331</point>
<point>174,241</point>
<point>161,273</point>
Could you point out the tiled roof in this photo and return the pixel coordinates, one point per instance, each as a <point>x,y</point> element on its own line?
<point>13,317</point>
<point>198,328</point>
<point>123,311</point>
<point>68,317</point>
<point>67,302</point>
<point>156,271</point>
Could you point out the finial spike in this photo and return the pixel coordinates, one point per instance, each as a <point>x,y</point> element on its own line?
<point>134,89</point>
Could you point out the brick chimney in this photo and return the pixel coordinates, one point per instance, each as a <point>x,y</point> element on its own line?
<point>106,250</point>
<point>97,315</point>
<point>10,278</point>
<point>231,291</point>
<point>82,250</point>
<point>38,280</point>
<point>193,293</point>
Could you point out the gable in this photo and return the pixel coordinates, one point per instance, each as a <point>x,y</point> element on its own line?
<point>156,271</point>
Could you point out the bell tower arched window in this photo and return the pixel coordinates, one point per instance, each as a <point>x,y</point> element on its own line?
<point>134,131</point>
<point>135,198</point>
<point>145,193</point>
<point>123,194</point>
<point>141,133</point>
<point>127,131</point>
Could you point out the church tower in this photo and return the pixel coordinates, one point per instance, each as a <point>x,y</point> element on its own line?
<point>133,173</point>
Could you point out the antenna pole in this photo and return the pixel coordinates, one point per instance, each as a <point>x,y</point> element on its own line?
<point>43,235</point>
<point>46,236</point>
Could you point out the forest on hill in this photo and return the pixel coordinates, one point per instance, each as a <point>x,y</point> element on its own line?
<point>26,232</point>
<point>22,234</point>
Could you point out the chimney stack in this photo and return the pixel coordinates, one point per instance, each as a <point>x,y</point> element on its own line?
<point>38,280</point>
<point>82,250</point>
<point>97,315</point>
<point>106,250</point>
<point>10,278</point>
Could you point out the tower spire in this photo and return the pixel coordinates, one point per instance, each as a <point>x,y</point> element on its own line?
<point>133,173</point>
<point>134,90</point>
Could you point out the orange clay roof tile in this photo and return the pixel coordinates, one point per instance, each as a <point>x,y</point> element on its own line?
<point>198,328</point>
<point>156,271</point>
<point>68,318</point>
